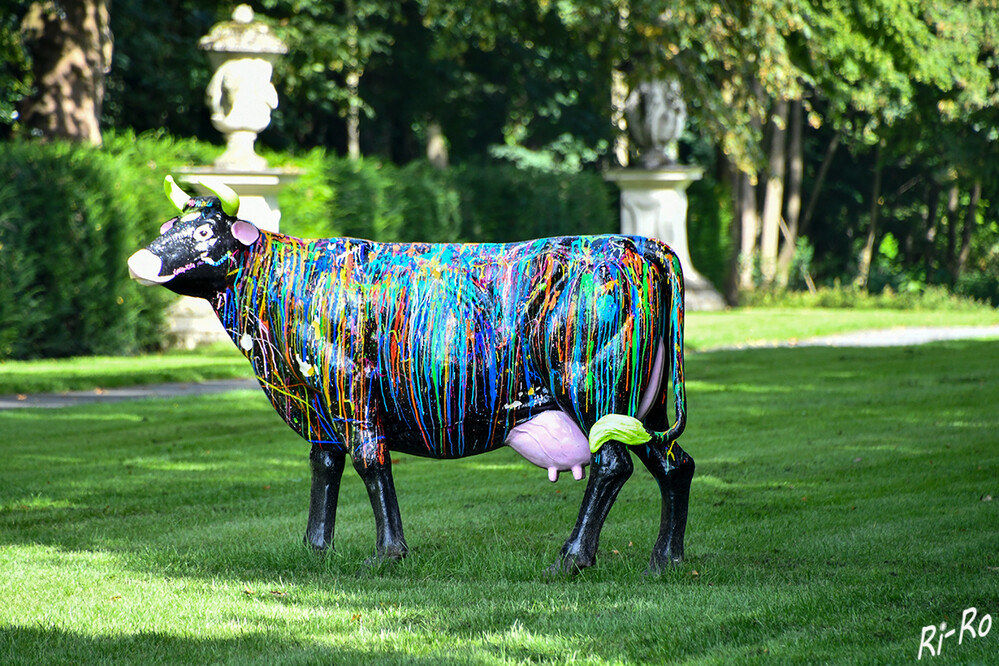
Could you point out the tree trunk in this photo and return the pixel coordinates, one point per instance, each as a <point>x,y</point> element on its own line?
<point>353,77</point>
<point>969,227</point>
<point>734,178</point>
<point>867,254</point>
<point>774,196</point>
<point>70,45</point>
<point>353,117</point>
<point>619,95</point>
<point>930,228</point>
<point>953,197</point>
<point>795,174</point>
<point>747,214</point>
<point>749,224</point>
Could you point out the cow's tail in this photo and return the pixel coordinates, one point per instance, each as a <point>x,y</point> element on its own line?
<point>629,430</point>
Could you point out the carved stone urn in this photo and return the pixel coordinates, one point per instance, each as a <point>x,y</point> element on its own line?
<point>240,94</point>
<point>656,115</point>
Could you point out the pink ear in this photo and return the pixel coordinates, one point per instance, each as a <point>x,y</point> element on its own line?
<point>244,232</point>
<point>167,226</point>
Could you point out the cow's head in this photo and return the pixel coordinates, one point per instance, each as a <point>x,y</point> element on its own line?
<point>197,252</point>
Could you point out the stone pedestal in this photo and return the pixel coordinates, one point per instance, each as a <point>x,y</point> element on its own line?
<point>257,190</point>
<point>654,204</point>
<point>191,321</point>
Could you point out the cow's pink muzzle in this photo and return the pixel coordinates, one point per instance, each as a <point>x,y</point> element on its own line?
<point>144,267</point>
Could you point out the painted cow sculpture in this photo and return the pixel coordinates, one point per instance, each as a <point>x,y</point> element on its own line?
<point>562,348</point>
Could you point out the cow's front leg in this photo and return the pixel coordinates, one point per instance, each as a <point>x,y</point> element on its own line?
<point>374,465</point>
<point>610,467</point>
<point>327,470</point>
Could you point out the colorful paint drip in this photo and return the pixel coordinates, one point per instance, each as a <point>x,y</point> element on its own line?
<point>451,345</point>
<point>450,350</point>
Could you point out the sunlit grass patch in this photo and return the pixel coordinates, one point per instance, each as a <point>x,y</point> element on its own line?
<point>220,361</point>
<point>840,504</point>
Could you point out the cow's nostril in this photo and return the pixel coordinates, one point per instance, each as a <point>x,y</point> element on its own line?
<point>144,267</point>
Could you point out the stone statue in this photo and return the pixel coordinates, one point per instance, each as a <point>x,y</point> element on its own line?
<point>656,116</point>
<point>240,95</point>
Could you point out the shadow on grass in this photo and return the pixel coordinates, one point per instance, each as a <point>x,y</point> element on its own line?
<point>34,645</point>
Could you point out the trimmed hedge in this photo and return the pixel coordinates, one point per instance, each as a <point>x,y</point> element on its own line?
<point>471,203</point>
<point>70,216</point>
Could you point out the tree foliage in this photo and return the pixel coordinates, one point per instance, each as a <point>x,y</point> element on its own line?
<point>883,166</point>
<point>158,76</point>
<point>900,83</point>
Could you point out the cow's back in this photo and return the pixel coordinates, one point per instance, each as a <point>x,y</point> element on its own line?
<point>466,331</point>
<point>450,344</point>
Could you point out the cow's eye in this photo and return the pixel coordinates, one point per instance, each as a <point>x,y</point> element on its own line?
<point>204,232</point>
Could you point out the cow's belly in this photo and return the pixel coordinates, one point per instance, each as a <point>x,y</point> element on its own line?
<point>427,438</point>
<point>552,440</point>
<point>442,425</point>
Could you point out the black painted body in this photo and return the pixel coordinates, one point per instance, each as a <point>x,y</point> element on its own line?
<point>440,350</point>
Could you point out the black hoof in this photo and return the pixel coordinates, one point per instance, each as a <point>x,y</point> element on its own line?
<point>565,568</point>
<point>317,546</point>
<point>382,563</point>
<point>661,565</point>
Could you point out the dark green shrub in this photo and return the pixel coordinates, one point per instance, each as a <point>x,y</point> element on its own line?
<point>431,206</point>
<point>855,298</point>
<point>477,202</point>
<point>20,293</point>
<point>341,197</point>
<point>70,216</point>
<point>709,220</point>
<point>979,285</point>
<point>307,204</point>
<point>364,205</point>
<point>61,246</point>
<point>502,203</point>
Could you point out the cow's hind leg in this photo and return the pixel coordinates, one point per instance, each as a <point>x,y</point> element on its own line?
<point>610,467</point>
<point>327,470</point>
<point>376,473</point>
<point>673,470</point>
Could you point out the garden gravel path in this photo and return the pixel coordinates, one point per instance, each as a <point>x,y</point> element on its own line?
<point>175,390</point>
<point>883,337</point>
<point>891,337</point>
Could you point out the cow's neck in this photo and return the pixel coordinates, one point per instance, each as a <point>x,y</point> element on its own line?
<point>267,289</point>
<point>243,307</point>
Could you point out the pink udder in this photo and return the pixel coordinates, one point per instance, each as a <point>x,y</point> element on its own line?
<point>553,441</point>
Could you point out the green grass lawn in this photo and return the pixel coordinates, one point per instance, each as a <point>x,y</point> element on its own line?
<point>219,361</point>
<point>753,326</point>
<point>839,506</point>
